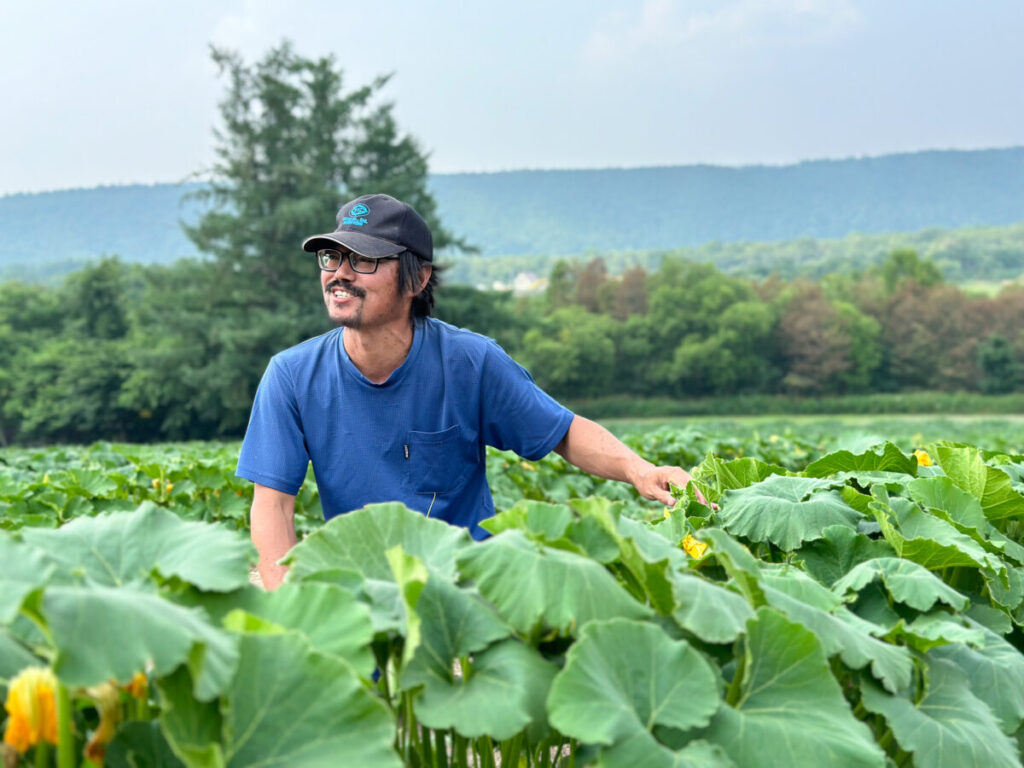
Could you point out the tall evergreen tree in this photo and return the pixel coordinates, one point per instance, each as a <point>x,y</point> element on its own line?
<point>293,145</point>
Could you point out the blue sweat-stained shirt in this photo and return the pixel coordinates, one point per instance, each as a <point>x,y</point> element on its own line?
<point>418,438</point>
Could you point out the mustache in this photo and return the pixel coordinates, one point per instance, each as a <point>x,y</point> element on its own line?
<point>347,286</point>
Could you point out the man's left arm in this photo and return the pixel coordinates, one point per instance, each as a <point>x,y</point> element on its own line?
<point>594,449</point>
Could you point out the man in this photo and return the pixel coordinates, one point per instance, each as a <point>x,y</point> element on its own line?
<point>396,405</point>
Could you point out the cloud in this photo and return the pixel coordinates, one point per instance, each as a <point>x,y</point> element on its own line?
<point>253,28</point>
<point>663,26</point>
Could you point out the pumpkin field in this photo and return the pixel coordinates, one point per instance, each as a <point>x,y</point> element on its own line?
<point>845,598</point>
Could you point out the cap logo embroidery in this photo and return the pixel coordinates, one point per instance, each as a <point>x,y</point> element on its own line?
<point>357,216</point>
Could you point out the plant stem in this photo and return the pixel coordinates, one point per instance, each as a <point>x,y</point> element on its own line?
<point>441,756</point>
<point>65,731</point>
<point>510,752</point>
<point>489,757</point>
<point>426,750</point>
<point>860,712</point>
<point>735,687</point>
<point>886,739</point>
<point>42,754</point>
<point>459,750</point>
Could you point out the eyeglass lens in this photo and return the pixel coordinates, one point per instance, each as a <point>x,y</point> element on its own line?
<point>330,261</point>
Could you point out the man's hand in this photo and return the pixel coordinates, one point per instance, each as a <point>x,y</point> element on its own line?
<point>594,449</point>
<point>653,483</point>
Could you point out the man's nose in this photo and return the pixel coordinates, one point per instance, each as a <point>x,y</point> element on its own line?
<point>345,271</point>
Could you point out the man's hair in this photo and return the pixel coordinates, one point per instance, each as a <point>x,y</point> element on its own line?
<point>409,267</point>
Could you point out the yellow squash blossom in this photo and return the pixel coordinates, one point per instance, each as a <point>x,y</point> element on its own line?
<point>139,685</point>
<point>108,703</point>
<point>923,459</point>
<point>694,548</point>
<point>31,709</point>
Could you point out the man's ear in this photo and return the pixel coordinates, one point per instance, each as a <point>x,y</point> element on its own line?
<point>425,274</point>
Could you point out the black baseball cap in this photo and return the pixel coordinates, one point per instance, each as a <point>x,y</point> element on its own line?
<point>377,226</point>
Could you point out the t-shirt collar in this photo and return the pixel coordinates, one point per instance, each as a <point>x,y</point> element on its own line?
<point>398,374</point>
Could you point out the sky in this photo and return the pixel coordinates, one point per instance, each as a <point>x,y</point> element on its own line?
<point>122,91</point>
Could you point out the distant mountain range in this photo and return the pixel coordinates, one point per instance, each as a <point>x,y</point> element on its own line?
<point>573,211</point>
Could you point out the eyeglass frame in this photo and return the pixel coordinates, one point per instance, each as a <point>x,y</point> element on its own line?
<point>351,256</point>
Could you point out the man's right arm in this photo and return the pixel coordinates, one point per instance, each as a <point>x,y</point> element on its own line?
<point>272,526</point>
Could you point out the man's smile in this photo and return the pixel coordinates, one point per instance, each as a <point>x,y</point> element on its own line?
<point>339,291</point>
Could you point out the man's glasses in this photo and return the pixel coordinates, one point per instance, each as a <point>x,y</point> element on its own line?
<point>330,260</point>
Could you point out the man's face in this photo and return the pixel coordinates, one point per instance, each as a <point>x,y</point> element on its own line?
<point>362,302</point>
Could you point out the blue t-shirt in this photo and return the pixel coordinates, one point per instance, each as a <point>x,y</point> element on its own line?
<point>418,438</point>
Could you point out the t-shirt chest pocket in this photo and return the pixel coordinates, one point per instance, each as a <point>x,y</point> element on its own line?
<point>439,462</point>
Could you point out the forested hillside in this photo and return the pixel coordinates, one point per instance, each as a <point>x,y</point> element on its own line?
<point>990,254</point>
<point>571,212</point>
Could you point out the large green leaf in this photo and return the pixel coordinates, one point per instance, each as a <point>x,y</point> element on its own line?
<point>942,496</point>
<point>934,543</point>
<point>934,629</point>
<point>786,511</point>
<point>303,606</point>
<point>503,693</point>
<point>743,568</point>
<point>540,520</point>
<point>710,611</point>
<point>840,631</point>
<point>1007,588</point>
<point>623,681</point>
<point>839,549</point>
<point>966,467</point>
<point>637,750</point>
<point>24,569</point>
<point>853,639</point>
<point>995,673</point>
<point>907,583</point>
<point>411,576</point>
<point>887,458</point>
<point>1004,546</point>
<point>948,727</point>
<point>126,547</point>
<point>533,586</point>
<point>738,473</point>
<point>648,558</point>
<point>103,633</point>
<point>86,482</point>
<point>455,623</point>
<point>359,541</point>
<point>14,656</point>
<point>192,728</point>
<point>289,705</point>
<point>800,586</point>
<point>788,709</point>
<point>139,744</point>
<point>286,706</point>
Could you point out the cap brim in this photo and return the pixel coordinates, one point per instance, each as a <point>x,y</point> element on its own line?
<point>374,247</point>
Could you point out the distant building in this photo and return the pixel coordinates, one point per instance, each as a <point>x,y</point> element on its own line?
<point>523,284</point>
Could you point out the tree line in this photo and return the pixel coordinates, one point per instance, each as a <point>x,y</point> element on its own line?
<point>132,352</point>
<point>690,330</point>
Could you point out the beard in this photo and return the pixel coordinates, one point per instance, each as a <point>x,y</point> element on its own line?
<point>355,321</point>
